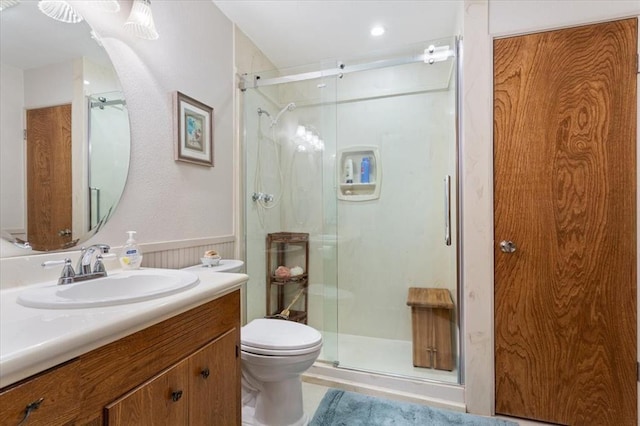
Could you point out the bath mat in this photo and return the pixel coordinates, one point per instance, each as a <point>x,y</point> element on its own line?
<point>342,408</point>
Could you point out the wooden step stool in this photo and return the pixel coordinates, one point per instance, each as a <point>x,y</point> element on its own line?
<point>431,323</point>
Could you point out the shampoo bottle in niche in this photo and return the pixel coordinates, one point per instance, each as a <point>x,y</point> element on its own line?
<point>131,256</point>
<point>348,171</point>
<point>364,170</point>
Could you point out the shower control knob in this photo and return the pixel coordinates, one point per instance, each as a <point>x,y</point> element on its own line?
<point>507,246</point>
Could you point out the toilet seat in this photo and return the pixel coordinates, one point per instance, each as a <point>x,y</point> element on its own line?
<point>277,337</point>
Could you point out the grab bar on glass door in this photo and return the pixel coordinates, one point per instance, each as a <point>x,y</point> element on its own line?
<point>447,210</point>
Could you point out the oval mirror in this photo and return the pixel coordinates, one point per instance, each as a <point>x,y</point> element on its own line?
<point>65,139</point>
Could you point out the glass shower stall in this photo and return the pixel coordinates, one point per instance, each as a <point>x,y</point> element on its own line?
<point>360,157</point>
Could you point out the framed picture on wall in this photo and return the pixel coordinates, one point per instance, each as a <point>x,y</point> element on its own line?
<point>193,128</point>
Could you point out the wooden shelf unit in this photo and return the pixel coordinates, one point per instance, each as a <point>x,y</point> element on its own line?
<point>287,249</point>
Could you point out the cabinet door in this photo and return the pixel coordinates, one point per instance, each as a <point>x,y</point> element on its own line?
<point>160,401</point>
<point>51,398</point>
<point>214,392</point>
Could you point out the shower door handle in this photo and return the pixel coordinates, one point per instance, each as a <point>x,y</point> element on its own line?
<point>97,204</point>
<point>447,210</point>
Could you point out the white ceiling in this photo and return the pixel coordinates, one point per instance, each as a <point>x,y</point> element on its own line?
<point>289,32</point>
<point>304,32</point>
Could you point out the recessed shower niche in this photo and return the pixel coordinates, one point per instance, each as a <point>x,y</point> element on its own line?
<point>359,173</point>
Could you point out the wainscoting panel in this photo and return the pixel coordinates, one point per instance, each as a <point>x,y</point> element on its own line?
<point>183,257</point>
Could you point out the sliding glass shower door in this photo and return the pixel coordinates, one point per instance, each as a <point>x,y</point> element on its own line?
<point>402,119</point>
<point>362,157</point>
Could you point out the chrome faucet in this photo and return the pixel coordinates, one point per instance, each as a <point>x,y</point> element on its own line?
<point>83,269</point>
<point>84,263</point>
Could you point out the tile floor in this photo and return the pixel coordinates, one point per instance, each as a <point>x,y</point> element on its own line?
<point>312,395</point>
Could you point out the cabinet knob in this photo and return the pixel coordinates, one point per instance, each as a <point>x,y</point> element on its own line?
<point>29,408</point>
<point>205,373</point>
<point>175,396</point>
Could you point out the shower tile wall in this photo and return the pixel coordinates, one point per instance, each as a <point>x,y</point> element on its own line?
<point>395,242</point>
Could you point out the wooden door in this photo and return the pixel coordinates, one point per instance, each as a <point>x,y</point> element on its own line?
<point>163,400</point>
<point>565,195</point>
<point>49,188</point>
<point>214,391</point>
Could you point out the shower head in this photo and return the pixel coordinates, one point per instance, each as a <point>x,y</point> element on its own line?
<point>290,107</point>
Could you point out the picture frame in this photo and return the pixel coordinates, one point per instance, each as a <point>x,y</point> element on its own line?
<point>193,130</point>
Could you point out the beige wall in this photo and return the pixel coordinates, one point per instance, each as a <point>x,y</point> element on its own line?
<point>12,159</point>
<point>477,209</point>
<point>165,200</point>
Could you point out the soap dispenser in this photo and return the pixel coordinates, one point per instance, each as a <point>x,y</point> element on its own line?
<point>131,256</point>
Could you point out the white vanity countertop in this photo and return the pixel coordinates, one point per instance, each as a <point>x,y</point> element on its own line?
<point>33,340</point>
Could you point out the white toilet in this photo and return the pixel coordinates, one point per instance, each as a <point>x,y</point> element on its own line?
<point>274,354</point>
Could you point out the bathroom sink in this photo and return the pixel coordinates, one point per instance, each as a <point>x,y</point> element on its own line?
<point>119,288</point>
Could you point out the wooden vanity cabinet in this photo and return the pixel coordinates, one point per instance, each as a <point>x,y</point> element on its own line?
<point>214,388</point>
<point>159,401</point>
<point>133,380</point>
<point>51,397</point>
<point>195,391</point>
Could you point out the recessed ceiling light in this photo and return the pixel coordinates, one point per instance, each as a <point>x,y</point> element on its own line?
<point>377,31</point>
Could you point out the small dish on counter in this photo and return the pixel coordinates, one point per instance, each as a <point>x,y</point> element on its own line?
<point>210,261</point>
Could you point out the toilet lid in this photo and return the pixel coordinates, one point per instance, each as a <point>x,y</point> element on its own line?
<point>276,334</point>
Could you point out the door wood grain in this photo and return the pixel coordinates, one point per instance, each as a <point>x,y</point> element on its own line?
<point>49,190</point>
<point>565,194</point>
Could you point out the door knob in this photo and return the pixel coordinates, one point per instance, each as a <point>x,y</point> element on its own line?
<point>507,246</point>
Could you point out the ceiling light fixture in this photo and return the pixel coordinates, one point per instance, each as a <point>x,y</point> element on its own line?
<point>377,31</point>
<point>6,4</point>
<point>140,22</point>
<point>60,11</point>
